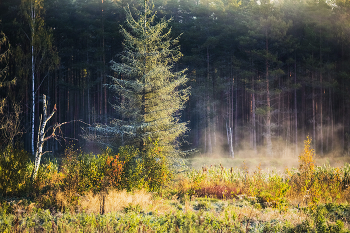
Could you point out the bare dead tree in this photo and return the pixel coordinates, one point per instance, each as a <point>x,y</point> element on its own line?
<point>42,138</point>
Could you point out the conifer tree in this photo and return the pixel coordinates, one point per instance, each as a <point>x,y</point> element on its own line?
<point>10,123</point>
<point>4,53</point>
<point>149,91</point>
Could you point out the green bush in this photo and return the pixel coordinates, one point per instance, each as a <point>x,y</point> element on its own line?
<point>147,169</point>
<point>84,172</point>
<point>130,169</point>
<point>157,172</point>
<point>13,167</point>
<point>46,178</point>
<point>132,176</point>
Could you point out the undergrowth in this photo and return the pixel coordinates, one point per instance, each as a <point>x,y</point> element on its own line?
<point>134,192</point>
<point>307,186</point>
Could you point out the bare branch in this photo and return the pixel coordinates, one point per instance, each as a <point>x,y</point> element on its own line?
<point>42,134</point>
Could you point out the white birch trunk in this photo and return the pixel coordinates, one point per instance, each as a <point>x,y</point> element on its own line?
<point>41,136</point>
<point>231,146</point>
<point>229,140</point>
<point>33,70</point>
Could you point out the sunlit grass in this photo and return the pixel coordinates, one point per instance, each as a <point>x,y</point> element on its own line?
<point>114,201</point>
<point>213,198</point>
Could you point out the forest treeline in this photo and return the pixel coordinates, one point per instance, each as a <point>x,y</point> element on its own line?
<point>262,73</point>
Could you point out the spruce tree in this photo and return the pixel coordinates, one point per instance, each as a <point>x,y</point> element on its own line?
<point>150,94</point>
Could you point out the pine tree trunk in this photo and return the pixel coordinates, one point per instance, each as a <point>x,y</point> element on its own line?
<point>254,122</point>
<point>210,149</point>
<point>268,100</point>
<point>303,112</point>
<point>321,116</point>
<point>236,120</point>
<point>295,107</point>
<point>331,119</point>
<point>313,112</point>
<point>321,98</point>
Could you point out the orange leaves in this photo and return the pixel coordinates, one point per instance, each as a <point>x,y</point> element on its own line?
<point>114,169</point>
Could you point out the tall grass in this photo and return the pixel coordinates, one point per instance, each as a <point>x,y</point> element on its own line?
<point>307,185</point>
<point>214,216</point>
<point>116,193</point>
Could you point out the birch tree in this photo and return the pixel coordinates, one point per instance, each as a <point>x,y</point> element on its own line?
<point>42,135</point>
<point>42,53</point>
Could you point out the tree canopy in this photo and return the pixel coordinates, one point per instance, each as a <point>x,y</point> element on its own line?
<point>266,70</point>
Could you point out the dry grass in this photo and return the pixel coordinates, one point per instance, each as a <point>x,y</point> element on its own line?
<point>115,201</point>
<point>119,200</point>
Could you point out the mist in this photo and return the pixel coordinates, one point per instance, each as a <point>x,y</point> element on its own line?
<point>284,154</point>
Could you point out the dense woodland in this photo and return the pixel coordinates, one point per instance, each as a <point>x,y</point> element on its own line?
<point>261,73</point>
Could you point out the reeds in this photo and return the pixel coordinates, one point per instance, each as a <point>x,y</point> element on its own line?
<point>307,185</point>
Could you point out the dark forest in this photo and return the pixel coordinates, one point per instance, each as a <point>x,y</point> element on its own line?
<point>263,75</point>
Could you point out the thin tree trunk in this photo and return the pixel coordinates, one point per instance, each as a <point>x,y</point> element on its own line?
<point>313,113</point>
<point>41,137</point>
<point>295,107</point>
<point>104,66</point>
<point>321,116</point>
<point>254,120</point>
<point>288,136</point>
<point>331,118</point>
<point>236,119</point>
<point>33,70</point>
<point>268,100</point>
<point>279,108</point>
<point>321,97</point>
<point>303,112</point>
<point>229,140</point>
<point>210,149</point>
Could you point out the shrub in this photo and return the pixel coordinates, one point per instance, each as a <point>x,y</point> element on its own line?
<point>113,170</point>
<point>317,184</point>
<point>132,175</point>
<point>147,169</point>
<point>84,172</point>
<point>70,170</point>
<point>156,168</point>
<point>303,182</point>
<point>273,192</point>
<point>92,172</point>
<point>13,167</point>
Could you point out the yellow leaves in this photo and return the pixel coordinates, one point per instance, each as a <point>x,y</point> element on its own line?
<point>313,184</point>
<point>234,3</point>
<point>306,158</point>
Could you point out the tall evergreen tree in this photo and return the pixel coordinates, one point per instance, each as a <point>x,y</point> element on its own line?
<point>148,90</point>
<point>10,120</point>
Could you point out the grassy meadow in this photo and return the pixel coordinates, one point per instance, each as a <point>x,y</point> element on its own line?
<point>109,193</point>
